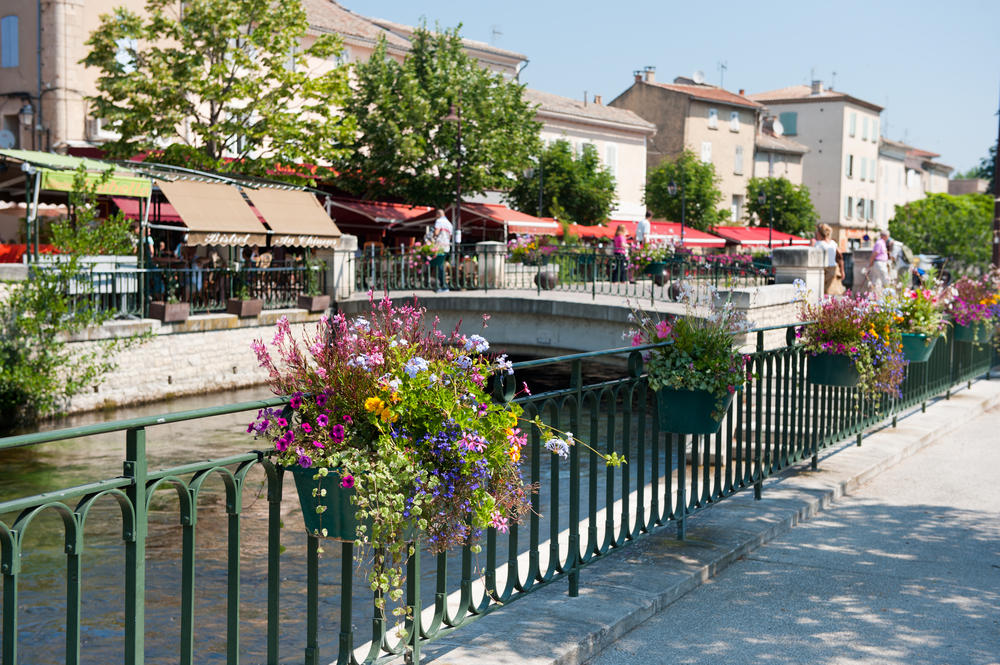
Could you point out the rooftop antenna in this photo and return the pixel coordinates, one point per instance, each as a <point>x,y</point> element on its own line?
<point>698,77</point>
<point>495,33</point>
<point>833,81</point>
<point>723,66</point>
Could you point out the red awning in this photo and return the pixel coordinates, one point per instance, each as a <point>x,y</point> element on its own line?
<point>375,211</point>
<point>159,212</point>
<point>757,236</point>
<point>12,253</point>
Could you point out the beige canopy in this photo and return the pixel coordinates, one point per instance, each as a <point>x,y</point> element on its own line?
<point>214,213</point>
<point>295,217</point>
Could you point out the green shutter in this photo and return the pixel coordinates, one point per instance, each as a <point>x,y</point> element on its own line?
<point>789,123</point>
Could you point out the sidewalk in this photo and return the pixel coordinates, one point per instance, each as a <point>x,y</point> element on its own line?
<point>631,588</point>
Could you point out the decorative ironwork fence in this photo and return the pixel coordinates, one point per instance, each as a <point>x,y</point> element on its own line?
<point>275,603</point>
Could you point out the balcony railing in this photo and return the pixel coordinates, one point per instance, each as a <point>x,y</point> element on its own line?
<point>281,607</point>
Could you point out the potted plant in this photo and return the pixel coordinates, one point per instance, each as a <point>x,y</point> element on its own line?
<point>853,341</point>
<point>921,320</point>
<point>972,305</point>
<point>313,299</point>
<point>242,305</point>
<point>697,370</point>
<point>172,310</point>
<point>390,433</point>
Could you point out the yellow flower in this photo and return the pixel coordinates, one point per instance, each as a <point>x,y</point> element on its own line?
<point>395,398</point>
<point>513,418</point>
<point>508,431</point>
<point>514,452</point>
<point>374,404</point>
<point>388,416</point>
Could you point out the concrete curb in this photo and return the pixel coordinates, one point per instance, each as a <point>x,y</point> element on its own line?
<point>630,585</point>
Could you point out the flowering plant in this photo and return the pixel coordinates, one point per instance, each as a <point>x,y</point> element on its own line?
<point>642,255</point>
<point>530,250</point>
<point>921,310</point>
<point>701,354</point>
<point>401,414</point>
<point>974,300</point>
<point>865,330</point>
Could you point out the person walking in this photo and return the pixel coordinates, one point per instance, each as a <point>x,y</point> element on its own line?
<point>833,261</point>
<point>642,229</point>
<point>442,240</point>
<point>878,264</point>
<point>621,254</point>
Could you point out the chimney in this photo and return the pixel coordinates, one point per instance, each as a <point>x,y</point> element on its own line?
<point>742,92</point>
<point>638,75</point>
<point>817,87</point>
<point>597,100</point>
<point>649,74</point>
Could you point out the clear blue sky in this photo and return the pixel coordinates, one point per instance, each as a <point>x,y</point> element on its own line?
<point>934,66</point>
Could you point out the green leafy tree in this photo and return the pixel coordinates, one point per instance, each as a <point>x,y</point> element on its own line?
<point>225,82</point>
<point>580,186</point>
<point>987,168</point>
<point>39,371</point>
<point>790,205</point>
<point>959,227</point>
<point>701,196</point>
<point>405,148</point>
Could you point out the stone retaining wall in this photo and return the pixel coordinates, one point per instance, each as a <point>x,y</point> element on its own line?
<point>204,354</point>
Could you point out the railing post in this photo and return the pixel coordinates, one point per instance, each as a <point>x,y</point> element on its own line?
<point>576,382</point>
<point>593,274</point>
<point>412,657</point>
<point>312,600</point>
<point>135,467</point>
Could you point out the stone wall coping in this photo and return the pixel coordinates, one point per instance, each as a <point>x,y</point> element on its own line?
<point>798,257</point>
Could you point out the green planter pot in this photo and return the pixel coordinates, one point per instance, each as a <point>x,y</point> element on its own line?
<point>979,332</point>
<point>688,411</point>
<point>338,519</point>
<point>832,369</point>
<point>918,348</point>
<point>657,270</point>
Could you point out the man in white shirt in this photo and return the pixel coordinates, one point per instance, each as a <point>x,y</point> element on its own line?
<point>442,238</point>
<point>642,229</point>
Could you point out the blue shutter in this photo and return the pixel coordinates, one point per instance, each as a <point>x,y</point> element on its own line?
<point>8,42</point>
<point>789,123</point>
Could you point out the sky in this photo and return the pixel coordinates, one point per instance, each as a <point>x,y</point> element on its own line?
<point>934,66</point>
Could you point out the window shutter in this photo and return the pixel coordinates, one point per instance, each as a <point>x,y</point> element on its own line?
<point>789,123</point>
<point>713,118</point>
<point>738,161</point>
<point>611,155</point>
<point>734,121</point>
<point>706,152</point>
<point>8,42</point>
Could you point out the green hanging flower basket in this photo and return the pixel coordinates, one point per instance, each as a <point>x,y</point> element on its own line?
<point>832,369</point>
<point>338,516</point>
<point>657,270</point>
<point>918,348</point>
<point>689,411</point>
<point>978,332</point>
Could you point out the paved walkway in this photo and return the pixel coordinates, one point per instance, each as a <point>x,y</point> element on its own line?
<point>894,558</point>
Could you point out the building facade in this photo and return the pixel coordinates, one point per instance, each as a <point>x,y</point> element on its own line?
<point>842,134</point>
<point>619,136</point>
<point>776,155</point>
<point>716,125</point>
<point>906,174</point>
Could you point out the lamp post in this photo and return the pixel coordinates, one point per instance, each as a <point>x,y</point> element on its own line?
<point>26,116</point>
<point>455,115</point>
<point>672,190</point>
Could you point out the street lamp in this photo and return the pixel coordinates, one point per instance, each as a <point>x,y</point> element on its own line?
<point>455,115</point>
<point>762,199</point>
<point>672,190</point>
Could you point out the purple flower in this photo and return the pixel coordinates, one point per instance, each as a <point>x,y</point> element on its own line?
<point>322,421</point>
<point>347,482</point>
<point>281,422</point>
<point>307,428</point>
<point>296,401</point>
<point>305,461</point>
<point>337,433</point>
<point>321,400</point>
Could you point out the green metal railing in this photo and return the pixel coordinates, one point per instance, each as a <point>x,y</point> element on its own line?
<point>581,511</point>
<point>590,270</point>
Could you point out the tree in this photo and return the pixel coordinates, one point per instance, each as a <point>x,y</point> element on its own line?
<point>226,83</point>
<point>700,194</point>
<point>580,186</point>
<point>987,168</point>
<point>959,227</point>
<point>790,204</point>
<point>38,372</point>
<point>405,148</point>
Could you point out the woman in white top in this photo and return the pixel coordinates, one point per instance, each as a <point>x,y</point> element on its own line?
<point>833,261</point>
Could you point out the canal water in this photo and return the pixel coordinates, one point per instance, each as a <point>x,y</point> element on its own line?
<point>29,471</point>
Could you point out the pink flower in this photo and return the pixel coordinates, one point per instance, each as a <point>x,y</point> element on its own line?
<point>499,522</point>
<point>347,482</point>
<point>322,421</point>
<point>307,428</point>
<point>636,339</point>
<point>662,329</point>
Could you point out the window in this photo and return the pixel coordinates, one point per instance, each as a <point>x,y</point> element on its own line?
<point>871,208</point>
<point>849,207</point>
<point>864,168</point>
<point>611,159</point>
<point>852,128</point>
<point>849,169</point>
<point>343,57</point>
<point>876,130</point>
<point>713,118</point>
<point>125,54</point>
<point>736,208</point>
<point>738,161</point>
<point>861,208</point>
<point>8,42</point>
<point>789,123</point>
<point>864,128</point>
<point>734,121</point>
<point>706,152</point>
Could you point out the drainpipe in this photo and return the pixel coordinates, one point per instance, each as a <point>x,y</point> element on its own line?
<point>38,57</point>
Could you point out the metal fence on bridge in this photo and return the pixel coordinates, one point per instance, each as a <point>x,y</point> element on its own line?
<point>280,607</point>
